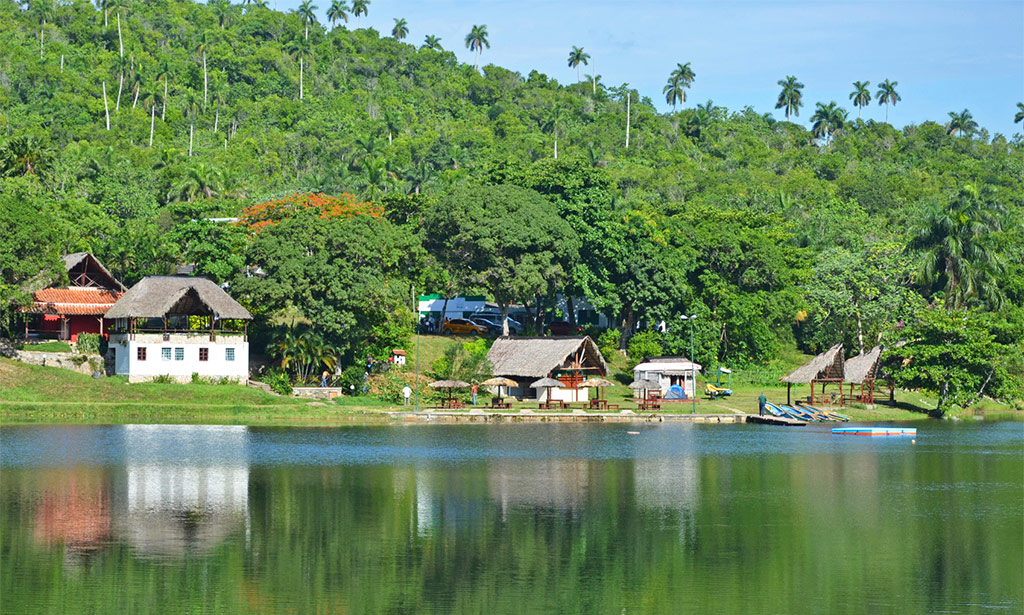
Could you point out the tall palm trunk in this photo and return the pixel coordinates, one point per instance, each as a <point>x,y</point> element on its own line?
<point>135,101</point>
<point>594,77</point>
<point>556,146</point>
<point>152,121</point>
<point>205,80</point>
<point>191,132</point>
<point>120,42</point>
<point>106,107</point>
<point>629,96</point>
<point>163,110</point>
<point>216,119</point>
<point>120,85</point>
<point>300,77</point>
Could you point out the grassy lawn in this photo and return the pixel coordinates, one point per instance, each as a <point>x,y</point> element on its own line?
<point>48,347</point>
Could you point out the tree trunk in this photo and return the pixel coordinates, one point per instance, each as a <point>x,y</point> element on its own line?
<point>444,311</point>
<point>556,146</point>
<point>191,132</point>
<point>120,41</point>
<point>571,308</point>
<point>629,95</point>
<point>539,322</point>
<point>504,317</point>
<point>163,110</point>
<point>152,121</point>
<point>860,333</point>
<point>594,83</point>
<point>300,77</point>
<point>626,321</point>
<point>205,80</point>
<point>62,63</point>
<point>216,119</point>
<point>120,85</point>
<point>135,101</point>
<point>106,107</point>
<point>943,396</point>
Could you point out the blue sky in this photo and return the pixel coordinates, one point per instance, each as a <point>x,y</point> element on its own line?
<point>945,55</point>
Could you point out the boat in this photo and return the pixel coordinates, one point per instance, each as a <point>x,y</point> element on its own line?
<point>835,416</point>
<point>867,430</point>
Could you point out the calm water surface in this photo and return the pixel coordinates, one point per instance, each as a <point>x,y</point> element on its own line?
<point>511,519</point>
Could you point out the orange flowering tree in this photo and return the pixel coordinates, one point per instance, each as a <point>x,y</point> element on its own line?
<point>261,215</point>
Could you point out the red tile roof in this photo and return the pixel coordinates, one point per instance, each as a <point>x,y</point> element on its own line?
<point>73,301</point>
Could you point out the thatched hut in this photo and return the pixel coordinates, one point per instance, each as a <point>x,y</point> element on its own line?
<point>863,369</point>
<point>179,326</point>
<point>828,367</point>
<point>566,359</point>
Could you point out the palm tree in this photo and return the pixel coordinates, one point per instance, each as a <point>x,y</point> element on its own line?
<point>376,177</point>
<point>828,119</point>
<point>861,96</point>
<point>552,124</point>
<point>300,48</point>
<point>306,12</point>
<point>219,94</point>
<point>400,30</point>
<point>1020,114</point>
<point>222,9</point>
<point>674,92</point>
<point>432,42</point>
<point>191,110</point>
<point>202,43</point>
<point>577,57</point>
<point>23,155</point>
<point>259,3</point>
<point>43,11</point>
<point>163,73</point>
<point>152,98</point>
<point>338,12</point>
<point>122,64</point>
<point>683,77</point>
<point>476,40</point>
<point>791,96</point>
<point>201,180</point>
<point>887,95</point>
<point>956,256</point>
<point>962,122</point>
<point>360,8</point>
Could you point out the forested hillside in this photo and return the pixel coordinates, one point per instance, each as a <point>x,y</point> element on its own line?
<point>124,128</point>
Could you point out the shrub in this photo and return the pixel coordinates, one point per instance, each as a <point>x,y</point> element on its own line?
<point>353,379</point>
<point>163,379</point>
<point>90,343</point>
<point>278,382</point>
<point>608,342</point>
<point>644,344</point>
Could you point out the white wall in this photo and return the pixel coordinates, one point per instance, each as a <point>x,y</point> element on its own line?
<point>127,361</point>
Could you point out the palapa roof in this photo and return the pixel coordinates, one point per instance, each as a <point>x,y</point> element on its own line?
<point>536,357</point>
<point>826,366</point>
<point>159,295</point>
<point>863,367</point>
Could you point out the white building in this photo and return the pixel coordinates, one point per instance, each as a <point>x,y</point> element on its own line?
<point>669,372</point>
<point>179,327</point>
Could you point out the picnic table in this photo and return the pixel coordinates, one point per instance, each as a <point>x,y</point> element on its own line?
<point>453,403</point>
<point>601,404</point>
<point>649,404</point>
<point>498,403</point>
<point>549,405</point>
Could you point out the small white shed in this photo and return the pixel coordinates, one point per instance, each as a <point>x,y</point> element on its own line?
<point>669,371</point>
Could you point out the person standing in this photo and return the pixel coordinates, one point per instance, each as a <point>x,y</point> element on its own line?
<point>473,388</point>
<point>406,393</point>
<point>323,379</point>
<point>761,401</point>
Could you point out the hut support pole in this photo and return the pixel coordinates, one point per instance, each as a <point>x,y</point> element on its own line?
<point>789,391</point>
<point>812,392</point>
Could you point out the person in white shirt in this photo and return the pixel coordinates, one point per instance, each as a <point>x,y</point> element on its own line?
<point>406,393</point>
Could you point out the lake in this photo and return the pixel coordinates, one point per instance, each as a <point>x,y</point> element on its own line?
<point>548,518</point>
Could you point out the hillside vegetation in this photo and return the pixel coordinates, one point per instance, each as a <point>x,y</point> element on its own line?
<point>125,128</point>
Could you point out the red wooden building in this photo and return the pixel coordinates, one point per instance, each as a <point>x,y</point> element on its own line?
<point>63,312</point>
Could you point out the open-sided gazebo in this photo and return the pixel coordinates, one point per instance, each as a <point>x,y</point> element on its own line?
<point>863,370</point>
<point>824,369</point>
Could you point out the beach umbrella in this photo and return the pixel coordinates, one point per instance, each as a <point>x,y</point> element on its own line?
<point>597,383</point>
<point>546,383</point>
<point>451,385</point>
<point>645,385</point>
<point>500,382</point>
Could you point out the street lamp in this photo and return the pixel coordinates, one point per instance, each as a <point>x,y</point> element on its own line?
<point>693,370</point>
<point>416,312</point>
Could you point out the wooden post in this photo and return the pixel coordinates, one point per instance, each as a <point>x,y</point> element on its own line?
<point>812,392</point>
<point>789,390</point>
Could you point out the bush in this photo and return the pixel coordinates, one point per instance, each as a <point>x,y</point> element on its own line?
<point>278,382</point>
<point>644,344</point>
<point>353,379</point>
<point>90,343</point>
<point>163,379</point>
<point>608,342</point>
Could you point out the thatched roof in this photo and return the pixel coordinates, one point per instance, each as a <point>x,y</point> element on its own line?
<point>90,263</point>
<point>826,366</point>
<point>536,357</point>
<point>863,367</point>
<point>159,295</point>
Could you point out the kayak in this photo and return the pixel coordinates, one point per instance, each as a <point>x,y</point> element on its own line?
<point>874,431</point>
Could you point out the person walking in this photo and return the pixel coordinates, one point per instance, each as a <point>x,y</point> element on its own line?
<point>323,379</point>
<point>761,401</point>
<point>406,393</point>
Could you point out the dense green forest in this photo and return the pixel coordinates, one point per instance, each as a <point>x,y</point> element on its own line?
<point>124,128</point>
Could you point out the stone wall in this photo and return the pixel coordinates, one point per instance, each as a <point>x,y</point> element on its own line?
<point>83,364</point>
<point>317,392</point>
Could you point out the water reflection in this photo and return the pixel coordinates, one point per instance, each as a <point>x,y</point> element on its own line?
<point>186,487</point>
<point>583,519</point>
